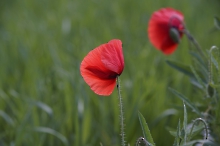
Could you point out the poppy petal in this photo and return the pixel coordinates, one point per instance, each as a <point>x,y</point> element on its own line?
<point>112,56</point>
<point>100,79</point>
<point>100,86</point>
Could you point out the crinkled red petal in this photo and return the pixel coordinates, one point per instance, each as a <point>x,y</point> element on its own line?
<point>112,56</point>
<point>101,66</point>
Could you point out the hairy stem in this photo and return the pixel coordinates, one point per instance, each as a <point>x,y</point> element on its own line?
<point>195,43</point>
<point>205,124</point>
<point>121,113</point>
<point>210,62</point>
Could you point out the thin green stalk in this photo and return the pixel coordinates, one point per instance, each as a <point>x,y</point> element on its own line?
<point>206,128</point>
<point>121,113</point>
<point>210,67</point>
<point>210,63</point>
<point>195,43</point>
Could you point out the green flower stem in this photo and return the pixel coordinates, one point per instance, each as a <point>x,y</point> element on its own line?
<point>195,43</point>
<point>206,127</point>
<point>210,62</point>
<point>121,113</point>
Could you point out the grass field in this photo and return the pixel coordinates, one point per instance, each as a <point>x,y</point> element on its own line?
<point>45,101</point>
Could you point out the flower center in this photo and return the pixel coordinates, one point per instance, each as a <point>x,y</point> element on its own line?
<point>101,73</point>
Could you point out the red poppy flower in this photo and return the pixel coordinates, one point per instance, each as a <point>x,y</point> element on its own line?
<point>102,65</point>
<point>166,29</point>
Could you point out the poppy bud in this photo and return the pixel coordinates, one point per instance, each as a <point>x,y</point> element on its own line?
<point>210,91</point>
<point>174,34</point>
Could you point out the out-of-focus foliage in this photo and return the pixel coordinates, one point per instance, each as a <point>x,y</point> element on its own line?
<point>44,100</point>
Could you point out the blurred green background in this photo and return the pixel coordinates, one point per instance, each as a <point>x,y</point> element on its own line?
<point>43,98</point>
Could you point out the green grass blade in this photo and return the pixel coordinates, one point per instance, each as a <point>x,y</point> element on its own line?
<point>167,113</point>
<point>177,138</point>
<point>186,100</point>
<point>199,80</point>
<point>145,129</point>
<point>198,58</point>
<point>6,117</point>
<point>185,123</point>
<point>44,107</point>
<point>52,132</point>
<point>181,67</point>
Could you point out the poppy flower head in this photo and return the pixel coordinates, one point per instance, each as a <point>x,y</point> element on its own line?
<point>102,65</point>
<point>166,29</point>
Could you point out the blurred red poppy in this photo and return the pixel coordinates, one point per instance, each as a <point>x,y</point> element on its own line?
<point>166,29</point>
<point>101,67</point>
